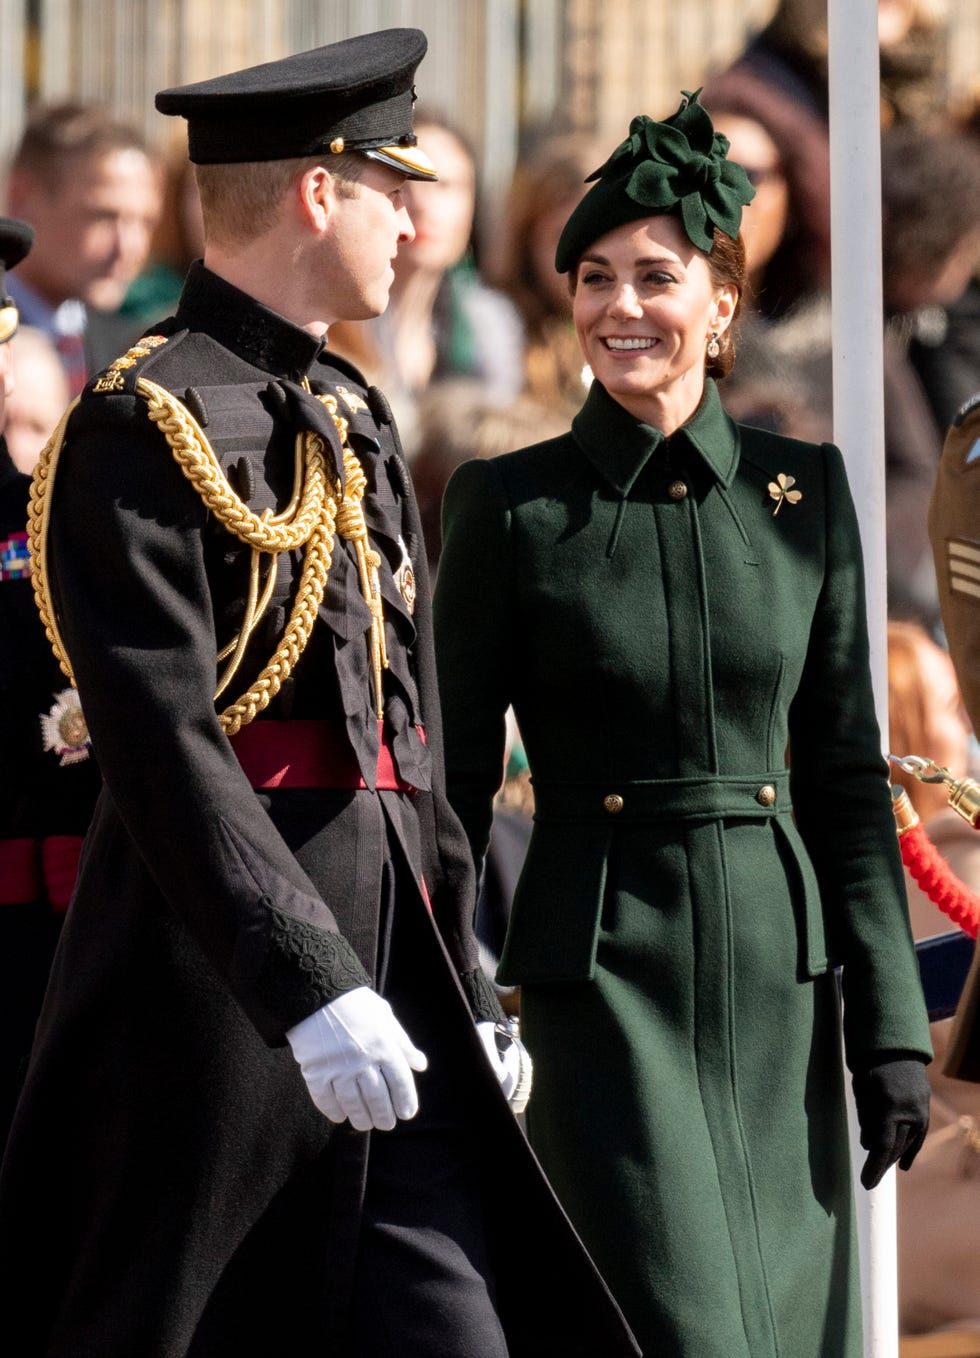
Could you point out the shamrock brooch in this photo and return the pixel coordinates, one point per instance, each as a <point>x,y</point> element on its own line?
<point>780,491</point>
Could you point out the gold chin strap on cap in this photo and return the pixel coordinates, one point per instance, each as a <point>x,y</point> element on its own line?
<point>308,521</point>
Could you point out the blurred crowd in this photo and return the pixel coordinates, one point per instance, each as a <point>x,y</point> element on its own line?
<point>478,334</point>
<point>477,353</point>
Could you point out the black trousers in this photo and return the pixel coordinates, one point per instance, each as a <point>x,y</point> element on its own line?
<point>424,1285</point>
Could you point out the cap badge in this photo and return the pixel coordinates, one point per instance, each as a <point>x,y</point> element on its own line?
<point>65,730</point>
<point>337,145</point>
<point>779,490</point>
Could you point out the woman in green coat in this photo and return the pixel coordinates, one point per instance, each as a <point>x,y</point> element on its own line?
<point>673,604</point>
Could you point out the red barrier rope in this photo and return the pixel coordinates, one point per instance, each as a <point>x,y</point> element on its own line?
<point>930,871</point>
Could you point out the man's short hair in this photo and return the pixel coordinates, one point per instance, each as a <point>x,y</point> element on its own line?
<point>239,201</point>
<point>57,136</point>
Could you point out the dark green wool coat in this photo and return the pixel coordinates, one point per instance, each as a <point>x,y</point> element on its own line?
<point>664,634</point>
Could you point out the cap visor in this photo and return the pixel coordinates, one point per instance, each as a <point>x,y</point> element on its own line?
<point>408,159</point>
<point>8,322</point>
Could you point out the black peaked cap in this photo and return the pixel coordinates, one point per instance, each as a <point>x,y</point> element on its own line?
<point>355,95</point>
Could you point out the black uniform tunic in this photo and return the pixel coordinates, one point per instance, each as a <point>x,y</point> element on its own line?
<point>170,1188</point>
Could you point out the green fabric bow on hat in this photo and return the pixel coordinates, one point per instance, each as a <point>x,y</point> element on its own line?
<point>681,162</point>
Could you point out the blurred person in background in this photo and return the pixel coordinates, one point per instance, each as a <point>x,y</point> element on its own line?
<point>177,241</point>
<point>772,102</point>
<point>442,321</point>
<point>50,777</point>
<point>90,187</point>
<point>790,54</point>
<point>939,1198</point>
<point>783,377</point>
<point>38,399</point>
<point>929,254</point>
<point>459,421</point>
<point>787,156</point>
<point>547,184</point>
<point>932,259</point>
<point>926,717</point>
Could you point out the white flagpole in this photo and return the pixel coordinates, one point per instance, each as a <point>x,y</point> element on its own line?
<point>855,188</point>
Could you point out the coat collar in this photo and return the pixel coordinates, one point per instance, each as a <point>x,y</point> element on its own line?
<point>252,331</point>
<point>619,446</point>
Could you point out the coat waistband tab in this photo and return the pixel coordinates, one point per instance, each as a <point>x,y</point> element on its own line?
<point>643,801</point>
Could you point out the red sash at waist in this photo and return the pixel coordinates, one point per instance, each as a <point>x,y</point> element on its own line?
<point>309,754</point>
<point>20,871</point>
<point>32,868</point>
<point>59,863</point>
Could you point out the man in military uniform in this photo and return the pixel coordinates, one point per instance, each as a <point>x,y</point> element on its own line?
<point>50,778</point>
<point>226,549</point>
<point>954,530</point>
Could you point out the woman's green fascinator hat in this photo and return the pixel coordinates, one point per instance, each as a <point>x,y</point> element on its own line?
<point>677,165</point>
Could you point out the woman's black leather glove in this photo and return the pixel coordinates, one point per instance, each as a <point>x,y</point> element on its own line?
<point>892,1099</point>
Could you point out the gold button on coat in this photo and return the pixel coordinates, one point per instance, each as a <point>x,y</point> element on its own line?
<point>613,803</point>
<point>766,795</point>
<point>677,490</point>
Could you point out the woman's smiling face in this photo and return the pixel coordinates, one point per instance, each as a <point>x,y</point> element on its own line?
<point>644,308</point>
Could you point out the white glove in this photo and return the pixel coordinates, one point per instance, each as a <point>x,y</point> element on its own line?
<point>510,1060</point>
<point>357,1061</point>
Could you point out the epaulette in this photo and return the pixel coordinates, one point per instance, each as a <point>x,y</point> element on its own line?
<point>121,374</point>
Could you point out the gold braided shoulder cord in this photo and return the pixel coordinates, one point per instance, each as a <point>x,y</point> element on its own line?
<point>308,521</point>
<point>37,538</point>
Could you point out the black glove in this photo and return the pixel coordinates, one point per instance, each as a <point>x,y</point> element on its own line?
<point>892,1099</point>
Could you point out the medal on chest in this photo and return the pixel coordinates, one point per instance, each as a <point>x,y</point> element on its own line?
<point>405,576</point>
<point>65,730</point>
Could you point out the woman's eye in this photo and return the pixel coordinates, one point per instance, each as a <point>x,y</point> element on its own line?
<point>591,278</point>
<point>660,278</point>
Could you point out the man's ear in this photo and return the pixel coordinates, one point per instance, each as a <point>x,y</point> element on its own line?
<point>315,196</point>
<point>25,192</point>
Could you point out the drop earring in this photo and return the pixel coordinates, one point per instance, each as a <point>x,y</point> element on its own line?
<point>714,348</point>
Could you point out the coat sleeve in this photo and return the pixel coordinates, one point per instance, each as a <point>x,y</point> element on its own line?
<point>448,863</point>
<point>842,803</point>
<point>131,590</point>
<point>475,613</point>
